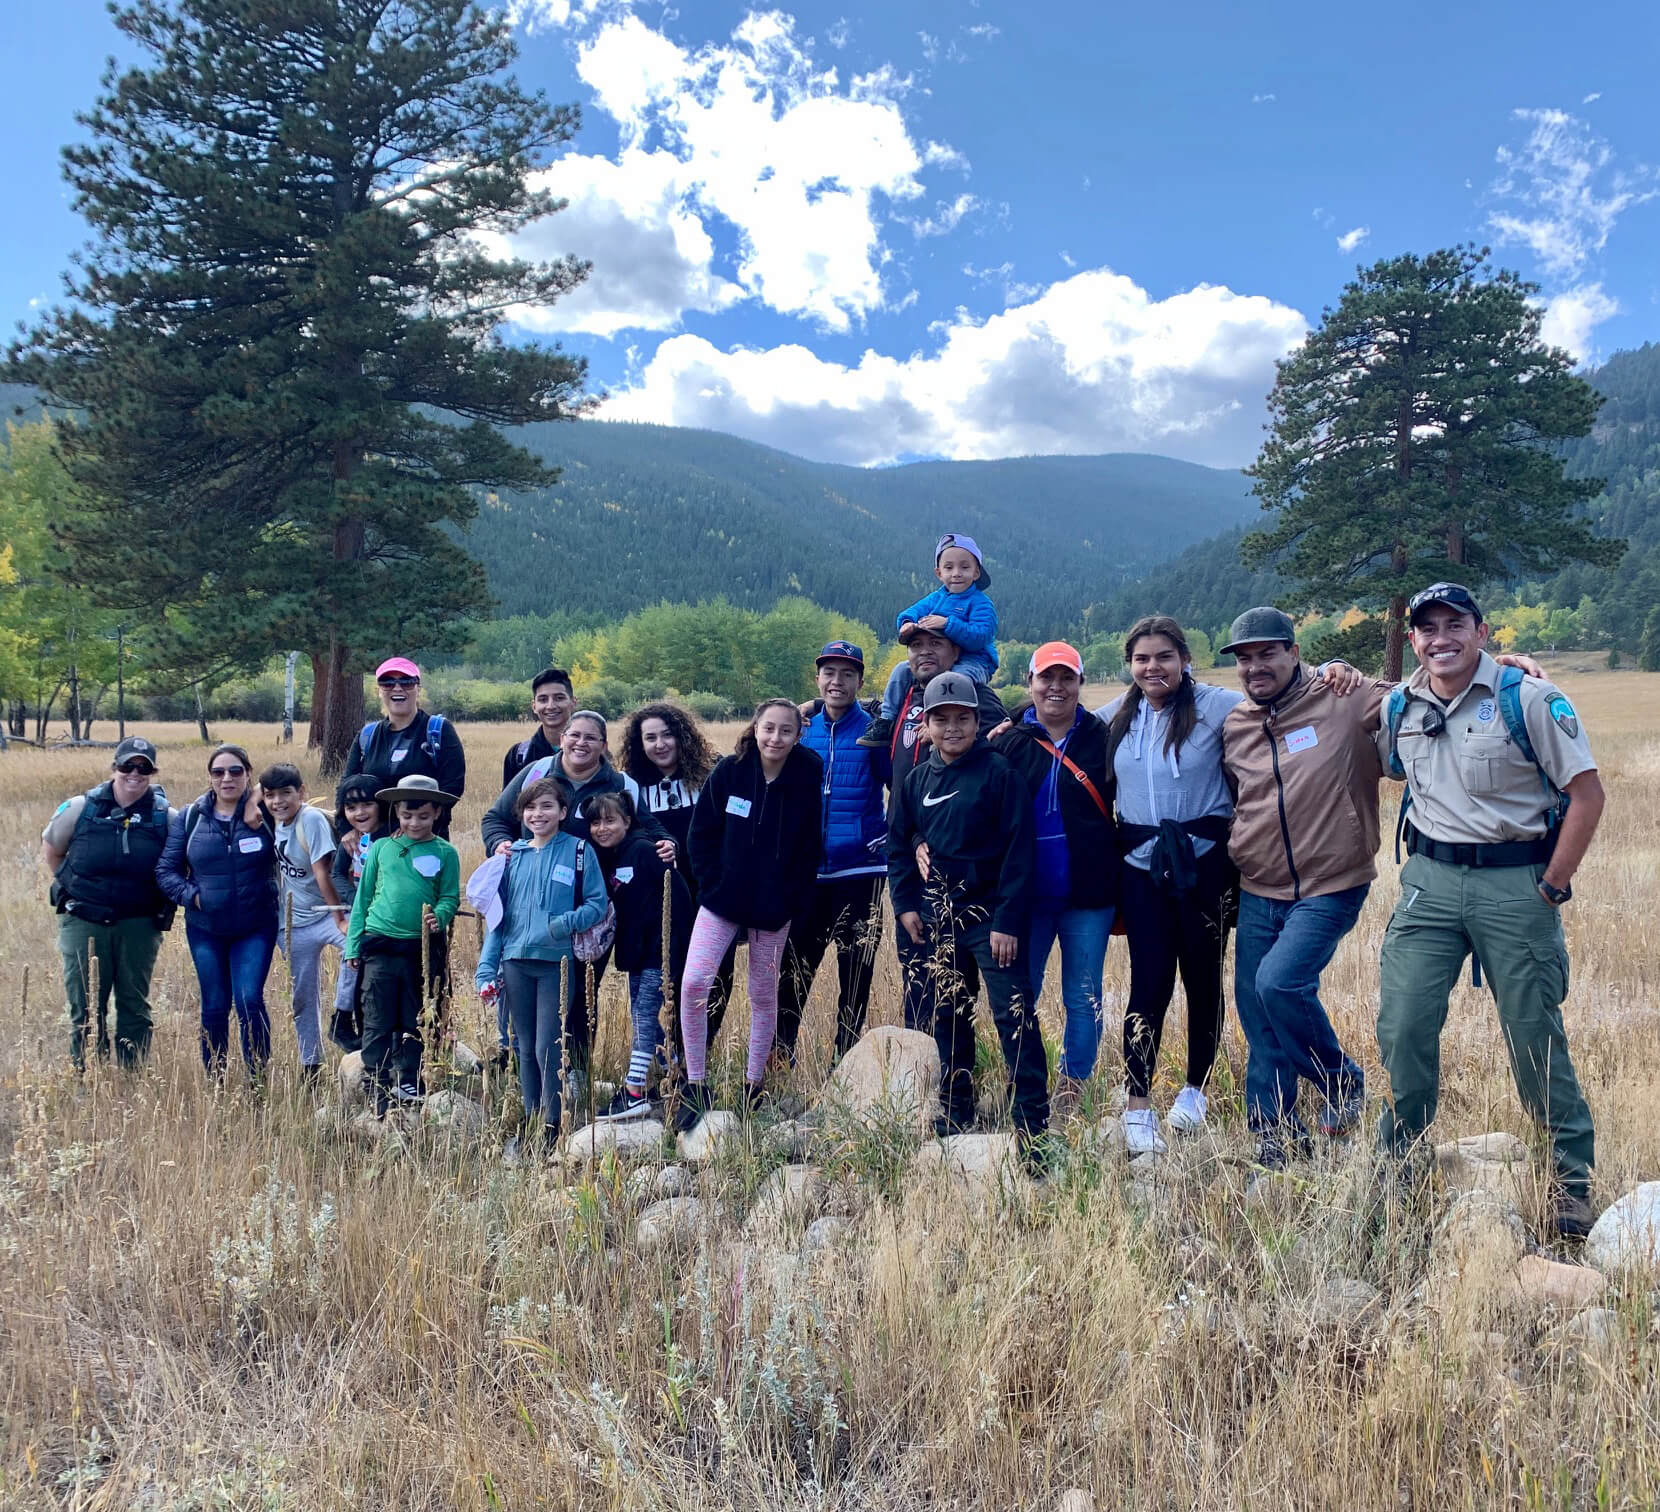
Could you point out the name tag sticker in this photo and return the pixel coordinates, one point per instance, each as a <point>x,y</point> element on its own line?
<point>399,754</point>
<point>738,806</point>
<point>1301,740</point>
<point>248,844</point>
<point>427,866</point>
<point>625,875</point>
<point>564,874</point>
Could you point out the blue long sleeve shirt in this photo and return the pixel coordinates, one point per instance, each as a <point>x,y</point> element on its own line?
<point>970,616</point>
<point>541,907</point>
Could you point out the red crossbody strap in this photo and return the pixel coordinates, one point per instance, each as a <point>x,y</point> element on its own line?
<point>1078,772</point>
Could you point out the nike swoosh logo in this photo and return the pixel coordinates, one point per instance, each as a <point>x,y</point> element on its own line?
<point>933,802</point>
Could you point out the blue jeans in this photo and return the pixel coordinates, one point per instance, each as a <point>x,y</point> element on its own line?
<point>1083,933</point>
<point>231,970</point>
<point>1280,950</point>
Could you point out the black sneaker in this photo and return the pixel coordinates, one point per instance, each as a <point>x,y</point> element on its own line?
<point>877,734</point>
<point>755,1098</point>
<point>1572,1216</point>
<point>408,1095</point>
<point>625,1104</point>
<point>689,1107</point>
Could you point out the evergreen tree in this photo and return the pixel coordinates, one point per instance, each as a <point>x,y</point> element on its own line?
<point>1648,655</point>
<point>1415,437</point>
<point>282,346</point>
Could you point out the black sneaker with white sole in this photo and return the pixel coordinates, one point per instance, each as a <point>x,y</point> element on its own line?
<point>624,1105</point>
<point>691,1104</point>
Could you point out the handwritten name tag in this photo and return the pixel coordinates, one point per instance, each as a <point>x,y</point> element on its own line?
<point>427,866</point>
<point>1301,740</point>
<point>564,874</point>
<point>625,875</point>
<point>248,844</point>
<point>738,806</point>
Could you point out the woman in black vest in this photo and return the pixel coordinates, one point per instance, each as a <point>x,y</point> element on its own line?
<point>220,867</point>
<point>102,848</point>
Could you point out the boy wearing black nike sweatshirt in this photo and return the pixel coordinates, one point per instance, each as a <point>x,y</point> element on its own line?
<point>961,860</point>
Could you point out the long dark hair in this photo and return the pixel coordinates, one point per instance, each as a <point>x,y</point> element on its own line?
<point>696,759</point>
<point>1184,711</point>
<point>746,741</point>
<point>360,786</point>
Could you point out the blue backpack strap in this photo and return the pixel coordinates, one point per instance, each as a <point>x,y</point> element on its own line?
<point>1510,709</point>
<point>1394,711</point>
<point>434,735</point>
<point>366,735</point>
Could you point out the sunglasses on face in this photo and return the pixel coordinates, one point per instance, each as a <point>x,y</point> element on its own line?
<point>398,682</point>
<point>136,768</point>
<point>230,771</point>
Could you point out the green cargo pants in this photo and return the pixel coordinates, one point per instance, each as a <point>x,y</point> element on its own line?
<point>1444,913</point>
<point>126,957</point>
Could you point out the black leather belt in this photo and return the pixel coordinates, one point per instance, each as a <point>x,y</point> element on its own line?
<point>1507,853</point>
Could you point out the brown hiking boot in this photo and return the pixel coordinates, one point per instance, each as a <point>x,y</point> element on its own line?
<point>1063,1105</point>
<point>1571,1216</point>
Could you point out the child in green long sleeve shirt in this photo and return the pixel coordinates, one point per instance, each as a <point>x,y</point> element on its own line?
<point>407,873</point>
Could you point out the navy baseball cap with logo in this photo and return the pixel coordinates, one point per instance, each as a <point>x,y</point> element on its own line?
<point>1453,595</point>
<point>841,651</point>
<point>135,748</point>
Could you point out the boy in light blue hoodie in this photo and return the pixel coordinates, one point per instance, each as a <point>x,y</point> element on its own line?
<point>960,611</point>
<point>551,890</point>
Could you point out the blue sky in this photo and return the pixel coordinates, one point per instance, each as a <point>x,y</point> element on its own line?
<point>867,233</point>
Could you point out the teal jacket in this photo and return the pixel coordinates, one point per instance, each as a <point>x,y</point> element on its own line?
<point>541,908</point>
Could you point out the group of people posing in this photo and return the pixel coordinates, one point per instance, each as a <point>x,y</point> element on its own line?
<point>1177,813</point>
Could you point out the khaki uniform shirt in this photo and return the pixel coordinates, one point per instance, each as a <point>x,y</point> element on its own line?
<point>1472,785</point>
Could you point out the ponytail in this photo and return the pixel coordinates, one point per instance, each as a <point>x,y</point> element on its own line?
<point>1183,705</point>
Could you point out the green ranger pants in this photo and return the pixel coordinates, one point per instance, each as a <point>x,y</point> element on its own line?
<point>126,956</point>
<point>1444,913</point>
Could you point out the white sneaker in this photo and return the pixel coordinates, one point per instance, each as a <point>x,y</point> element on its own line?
<point>1187,1113</point>
<point>1141,1132</point>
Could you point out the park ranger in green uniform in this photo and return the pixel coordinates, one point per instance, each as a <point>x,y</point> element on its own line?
<point>1493,852</point>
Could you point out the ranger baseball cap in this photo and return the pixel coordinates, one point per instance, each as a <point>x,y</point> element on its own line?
<point>135,748</point>
<point>950,690</point>
<point>840,650</point>
<point>1453,595</point>
<point>1264,623</point>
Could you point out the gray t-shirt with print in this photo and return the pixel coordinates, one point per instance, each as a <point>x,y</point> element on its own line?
<point>309,839</point>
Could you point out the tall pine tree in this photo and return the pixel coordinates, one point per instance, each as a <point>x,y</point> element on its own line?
<point>283,344</point>
<point>1415,437</point>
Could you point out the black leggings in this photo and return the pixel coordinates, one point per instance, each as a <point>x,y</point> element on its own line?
<point>1166,934</point>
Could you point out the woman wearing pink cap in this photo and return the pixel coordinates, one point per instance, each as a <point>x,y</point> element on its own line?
<point>408,739</point>
<point>1060,750</point>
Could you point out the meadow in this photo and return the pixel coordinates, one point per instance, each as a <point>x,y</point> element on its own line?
<point>214,1301</point>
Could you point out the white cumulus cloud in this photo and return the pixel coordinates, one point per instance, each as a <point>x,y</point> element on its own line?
<point>1349,240</point>
<point>1560,192</point>
<point>1092,364</point>
<point>1572,315</point>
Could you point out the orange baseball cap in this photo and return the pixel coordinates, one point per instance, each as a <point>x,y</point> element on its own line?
<point>1056,654</point>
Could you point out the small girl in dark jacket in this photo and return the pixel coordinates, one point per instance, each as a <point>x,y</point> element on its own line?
<point>219,866</point>
<point>755,844</point>
<point>634,874</point>
<point>360,819</point>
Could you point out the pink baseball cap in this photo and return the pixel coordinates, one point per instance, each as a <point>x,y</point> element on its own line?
<point>400,666</point>
<point>1056,654</point>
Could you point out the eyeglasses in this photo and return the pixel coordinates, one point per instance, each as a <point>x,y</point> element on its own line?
<point>399,682</point>
<point>231,771</point>
<point>136,768</point>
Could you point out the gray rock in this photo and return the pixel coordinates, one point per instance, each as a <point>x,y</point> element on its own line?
<point>353,1092</point>
<point>1480,1225</point>
<point>636,1137</point>
<point>1344,1303</point>
<point>826,1234</point>
<point>1075,1501</point>
<point>452,1111</point>
<point>670,1224</point>
<point>1596,1328</point>
<point>791,1138</point>
<point>1627,1236</point>
<point>980,1164</point>
<point>787,1200</point>
<point>673,1181</point>
<point>889,1073</point>
<point>1496,1162</point>
<point>705,1140</point>
<point>464,1060</point>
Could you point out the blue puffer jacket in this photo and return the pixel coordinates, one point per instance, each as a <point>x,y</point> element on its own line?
<point>230,868</point>
<point>854,820</point>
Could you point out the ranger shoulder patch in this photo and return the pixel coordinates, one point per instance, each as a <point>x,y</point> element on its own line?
<point>1566,720</point>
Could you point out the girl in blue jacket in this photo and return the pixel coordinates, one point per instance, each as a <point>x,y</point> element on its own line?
<point>220,866</point>
<point>552,888</point>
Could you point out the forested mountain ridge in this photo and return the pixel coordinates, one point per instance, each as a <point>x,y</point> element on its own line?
<point>644,513</point>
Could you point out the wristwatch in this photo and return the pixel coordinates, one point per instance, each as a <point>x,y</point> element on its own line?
<point>1556,895</point>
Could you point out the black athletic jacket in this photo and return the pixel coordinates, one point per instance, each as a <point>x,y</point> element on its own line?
<point>755,846</point>
<point>634,877</point>
<point>976,817</point>
<point>907,752</point>
<point>393,754</point>
<point>1091,837</point>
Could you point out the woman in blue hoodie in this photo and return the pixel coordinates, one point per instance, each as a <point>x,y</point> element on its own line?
<point>220,866</point>
<point>552,889</point>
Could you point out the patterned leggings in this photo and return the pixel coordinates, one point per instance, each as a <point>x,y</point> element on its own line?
<point>711,934</point>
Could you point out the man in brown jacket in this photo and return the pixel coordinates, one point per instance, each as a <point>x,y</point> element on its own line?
<point>1303,761</point>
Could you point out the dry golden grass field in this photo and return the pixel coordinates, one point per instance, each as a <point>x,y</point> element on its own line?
<point>209,1301</point>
